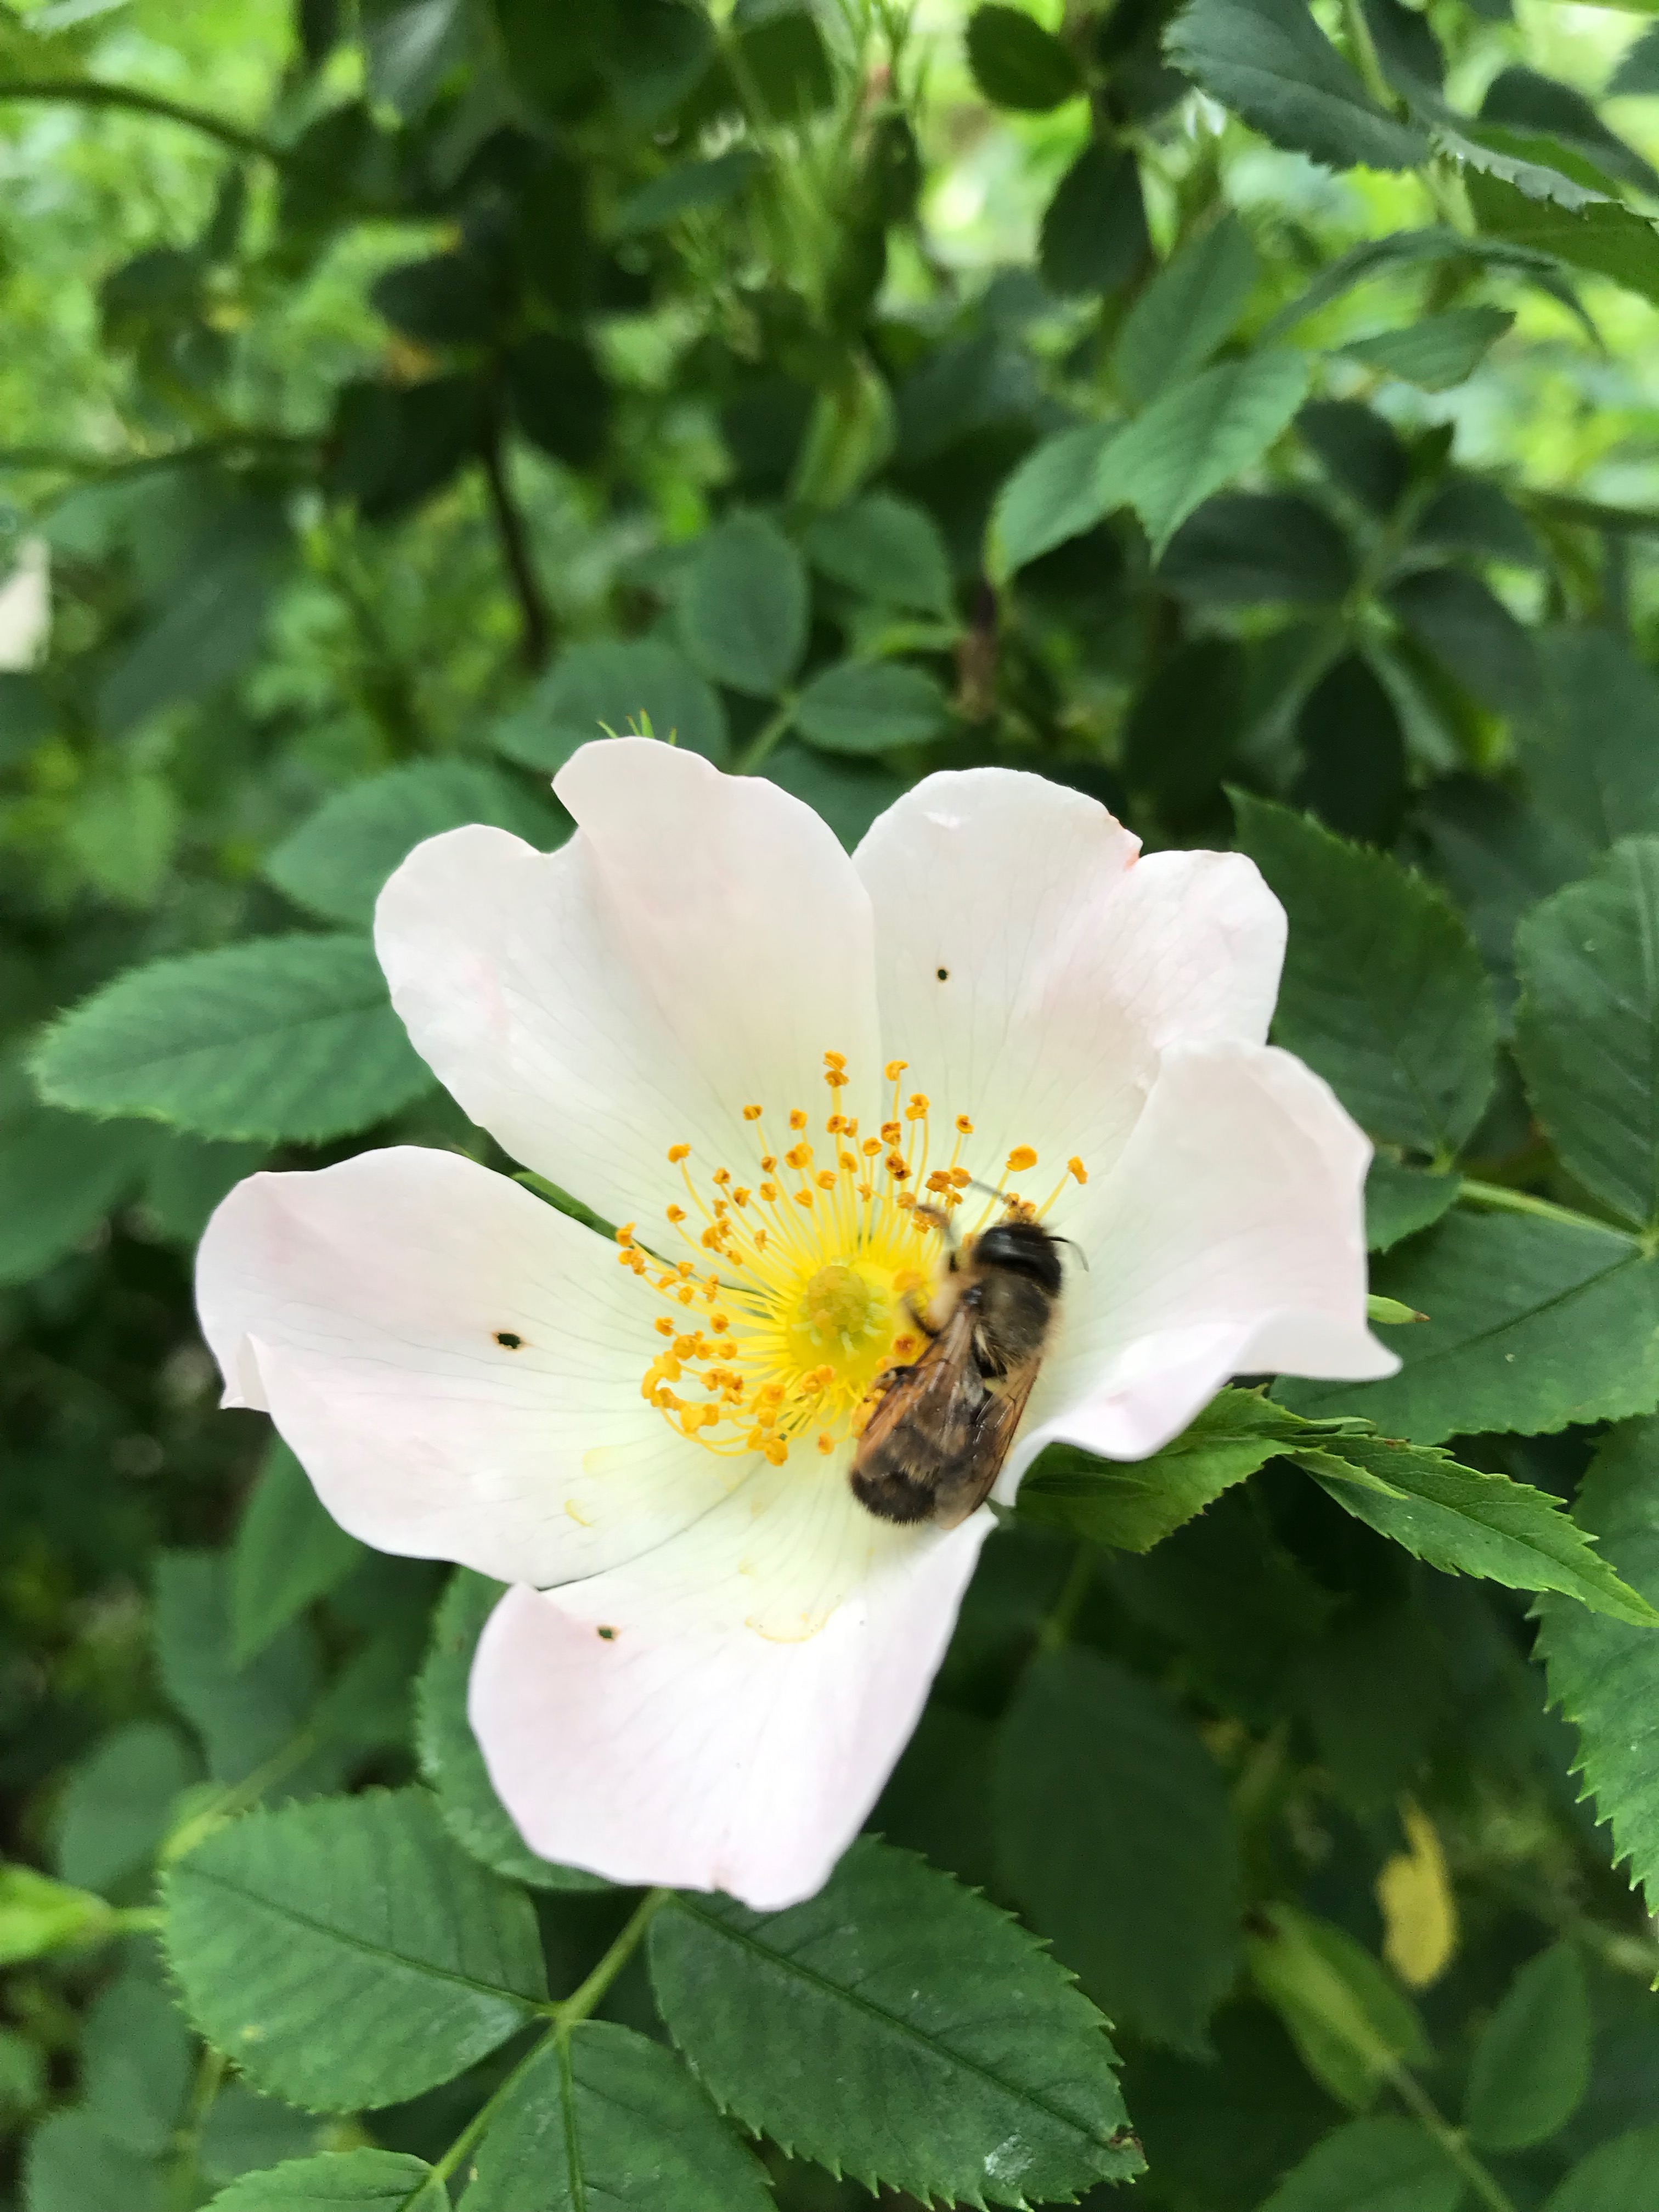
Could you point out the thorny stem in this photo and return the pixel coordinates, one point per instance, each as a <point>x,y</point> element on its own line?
<point>1423,2109</point>
<point>535,619</point>
<point>1503,1200</point>
<point>570,2012</point>
<point>87,92</point>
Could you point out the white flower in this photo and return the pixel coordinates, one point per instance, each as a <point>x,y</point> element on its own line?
<point>25,607</point>
<point>707,1022</point>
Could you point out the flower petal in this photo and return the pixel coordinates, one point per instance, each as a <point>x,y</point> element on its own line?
<point>1230,1239</point>
<point>722,1713</point>
<point>1032,969</point>
<point>700,944</point>
<point>363,1307</point>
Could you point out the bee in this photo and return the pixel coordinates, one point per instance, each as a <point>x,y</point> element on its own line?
<point>941,1428</point>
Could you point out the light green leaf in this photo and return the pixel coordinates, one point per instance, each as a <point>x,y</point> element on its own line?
<point>244,1713</point>
<point>611,2118</point>
<point>449,1754</point>
<point>1437,351</point>
<point>617,685</point>
<point>1604,236</point>
<point>1116,1836</point>
<point>281,1037</point>
<point>1532,2064</point>
<point>1617,2178</point>
<point>1400,1201</point>
<point>339,2181</point>
<point>39,1915</point>
<point>1384,993</point>
<point>1193,303</point>
<point>1198,436</point>
<point>1270,63</point>
<point>1467,1522</point>
<point>1605,1676</point>
<point>115,1808</point>
<point>899,2028</point>
<point>885,548</point>
<point>288,1552</point>
<point>1372,2165</point>
<point>345,1953</point>
<point>336,861</point>
<point>744,610</point>
<point>1531,1325</point>
<point>71,2166</point>
<point>1587,1029</point>
<point>1344,2013</point>
<point>1054,493</point>
<point>870,707</point>
<point>1016,63</point>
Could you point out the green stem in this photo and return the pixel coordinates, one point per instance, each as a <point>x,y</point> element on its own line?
<point>1056,1630</point>
<point>1502,1200</point>
<point>535,618</point>
<point>767,737</point>
<point>1362,52</point>
<point>99,466</point>
<point>87,92</point>
<point>568,2012</point>
<point>1423,2109</point>
<point>240,1796</point>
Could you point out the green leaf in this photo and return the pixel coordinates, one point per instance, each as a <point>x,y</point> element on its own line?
<point>1132,1504</point>
<point>1016,63</point>
<point>288,1552</point>
<point>1617,2178</point>
<point>345,1953</point>
<point>560,398</point>
<point>71,2166</point>
<point>1384,992</point>
<point>1465,624</point>
<point>1054,493</point>
<point>1587,1029</point>
<point>336,861</point>
<point>188,1177</point>
<point>608,2118</point>
<point>1200,435</point>
<point>116,1807</point>
<point>1344,2013</point>
<point>1372,2165</point>
<point>136,2064</point>
<point>1269,62</point>
<point>1094,229</point>
<point>281,1037</point>
<point>1116,1837</point>
<point>870,707</point>
<point>1605,237</point>
<point>1590,747</point>
<point>1532,2064</point>
<point>449,1754</point>
<point>1466,1523</point>
<point>885,548</point>
<point>1437,351</point>
<point>59,1175</point>
<point>339,2181</point>
<point>1532,1325</point>
<point>848,793</point>
<point>1251,549</point>
<point>1193,303</point>
<point>245,2132</point>
<point>688,188</point>
<point>899,2028</point>
<point>243,1712</point>
<point>1605,1676</point>
<point>1400,1201</point>
<point>745,607</point>
<point>615,685</point>
<point>39,1915</point>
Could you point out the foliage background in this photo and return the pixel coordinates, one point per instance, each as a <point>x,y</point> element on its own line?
<point>400,393</point>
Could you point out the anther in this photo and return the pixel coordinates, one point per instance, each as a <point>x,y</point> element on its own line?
<point>676,1214</point>
<point>678,1152</point>
<point>751,1112</point>
<point>894,1069</point>
<point>965,1124</point>
<point>797,1119</point>
<point>1075,1167</point>
<point>1020,1158</point>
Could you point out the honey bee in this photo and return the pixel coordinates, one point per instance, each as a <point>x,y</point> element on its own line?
<point>941,1428</point>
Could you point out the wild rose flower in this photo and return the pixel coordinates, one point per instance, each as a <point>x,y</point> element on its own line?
<point>755,1054</point>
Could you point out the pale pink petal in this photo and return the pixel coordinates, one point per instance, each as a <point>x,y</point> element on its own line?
<point>363,1307</point>
<point>722,1713</point>
<point>1230,1239</point>
<point>698,945</point>
<point>1031,969</point>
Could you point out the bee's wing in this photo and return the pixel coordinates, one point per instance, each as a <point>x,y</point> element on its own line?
<point>968,1482</point>
<point>928,1396</point>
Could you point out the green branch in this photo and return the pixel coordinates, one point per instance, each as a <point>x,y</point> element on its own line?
<point>87,92</point>
<point>1500,1198</point>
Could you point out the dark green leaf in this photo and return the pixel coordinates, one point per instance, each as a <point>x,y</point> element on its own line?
<point>897,2027</point>
<point>559,397</point>
<point>611,2119</point>
<point>345,1953</point>
<point>1605,1676</point>
<point>1384,993</point>
<point>280,1037</point>
<point>136,2064</point>
<point>244,1715</point>
<point>1528,101</point>
<point>1193,303</point>
<point>1605,237</point>
<point>1617,2178</point>
<point>1054,493</point>
<point>60,1176</point>
<point>1372,2165</point>
<point>870,707</point>
<point>848,793</point>
<point>188,1177</point>
<point>1116,1837</point>
<point>1094,229</point>
<point>394,444</point>
<point>1465,625</point>
<point>1269,61</point>
<point>1400,1201</point>
<point>288,1552</point>
<point>1245,548</point>
<point>115,1809</point>
<point>1591,744</point>
<point>616,686</point>
<point>1587,1030</point>
<point>71,2166</point>
<point>244,2131</point>
<point>1532,2064</point>
<point>1344,2013</point>
<point>1437,351</point>
<point>885,548</point>
<point>339,2181</point>
<point>450,1757</point>
<point>688,189</point>
<point>745,607</point>
<point>1019,64</point>
<point>1354,753</point>
<point>448,299</point>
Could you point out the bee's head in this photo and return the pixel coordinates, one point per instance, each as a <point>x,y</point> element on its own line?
<point>1024,1247</point>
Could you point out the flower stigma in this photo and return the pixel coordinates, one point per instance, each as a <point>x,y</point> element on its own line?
<point>809,1280</point>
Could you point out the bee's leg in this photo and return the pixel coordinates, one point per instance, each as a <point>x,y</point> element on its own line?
<point>919,1315</point>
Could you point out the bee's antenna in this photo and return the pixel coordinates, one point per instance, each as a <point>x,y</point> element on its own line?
<point>1076,1248</point>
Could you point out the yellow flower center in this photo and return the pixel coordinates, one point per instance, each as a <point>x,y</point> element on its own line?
<point>807,1281</point>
